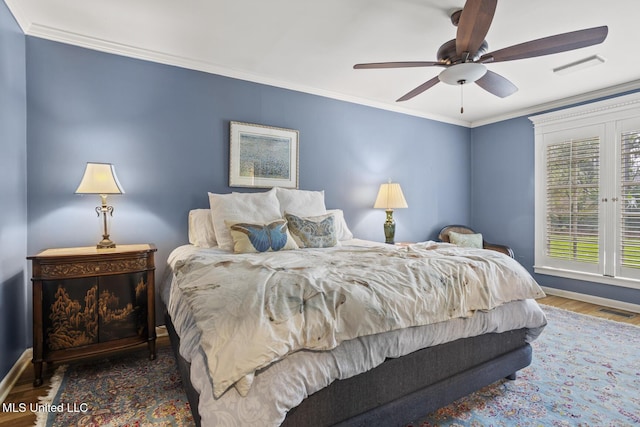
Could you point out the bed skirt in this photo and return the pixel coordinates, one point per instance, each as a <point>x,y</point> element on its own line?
<point>403,389</point>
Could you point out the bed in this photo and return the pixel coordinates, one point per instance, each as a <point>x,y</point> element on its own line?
<point>286,319</point>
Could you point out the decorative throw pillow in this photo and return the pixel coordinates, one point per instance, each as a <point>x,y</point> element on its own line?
<point>248,237</point>
<point>258,208</point>
<point>466,240</point>
<point>313,232</point>
<point>301,202</point>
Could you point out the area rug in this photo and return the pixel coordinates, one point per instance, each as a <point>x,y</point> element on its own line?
<point>585,372</point>
<point>125,390</point>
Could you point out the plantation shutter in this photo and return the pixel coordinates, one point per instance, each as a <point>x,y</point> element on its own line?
<point>630,199</point>
<point>572,204</point>
<point>587,193</point>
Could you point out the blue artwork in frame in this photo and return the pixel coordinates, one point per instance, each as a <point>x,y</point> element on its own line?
<point>263,156</point>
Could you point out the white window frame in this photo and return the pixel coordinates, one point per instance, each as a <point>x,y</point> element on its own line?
<point>553,138</point>
<point>608,119</point>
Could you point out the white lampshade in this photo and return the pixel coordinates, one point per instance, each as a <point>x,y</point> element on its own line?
<point>99,178</point>
<point>390,197</point>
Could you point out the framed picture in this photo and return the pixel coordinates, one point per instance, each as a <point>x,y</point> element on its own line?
<point>263,156</point>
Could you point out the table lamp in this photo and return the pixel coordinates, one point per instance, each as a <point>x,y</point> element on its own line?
<point>100,178</point>
<point>390,197</point>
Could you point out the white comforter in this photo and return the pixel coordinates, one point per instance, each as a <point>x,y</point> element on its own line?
<point>254,309</point>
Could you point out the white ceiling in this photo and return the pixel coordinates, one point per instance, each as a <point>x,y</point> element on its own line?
<point>312,46</point>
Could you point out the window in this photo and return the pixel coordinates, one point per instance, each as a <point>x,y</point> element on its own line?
<point>628,201</point>
<point>573,184</point>
<point>588,192</point>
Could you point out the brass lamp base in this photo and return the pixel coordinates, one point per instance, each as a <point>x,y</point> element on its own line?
<point>105,244</point>
<point>103,210</point>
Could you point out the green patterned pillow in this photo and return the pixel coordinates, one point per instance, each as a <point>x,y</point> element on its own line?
<point>466,240</point>
<point>248,238</point>
<point>313,231</point>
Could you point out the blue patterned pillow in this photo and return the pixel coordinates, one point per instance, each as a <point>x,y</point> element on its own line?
<point>273,236</point>
<point>314,231</point>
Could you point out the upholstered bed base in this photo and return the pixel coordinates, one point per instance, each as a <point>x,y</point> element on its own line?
<point>404,389</point>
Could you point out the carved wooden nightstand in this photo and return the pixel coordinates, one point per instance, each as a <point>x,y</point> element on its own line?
<point>87,301</point>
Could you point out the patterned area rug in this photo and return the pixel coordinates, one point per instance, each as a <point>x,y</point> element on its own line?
<point>128,390</point>
<point>585,372</point>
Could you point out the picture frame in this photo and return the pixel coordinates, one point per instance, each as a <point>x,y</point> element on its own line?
<point>262,156</point>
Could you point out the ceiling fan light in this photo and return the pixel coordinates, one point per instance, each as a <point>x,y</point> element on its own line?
<point>467,72</point>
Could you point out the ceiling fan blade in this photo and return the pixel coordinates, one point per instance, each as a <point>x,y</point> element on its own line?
<point>405,64</point>
<point>417,91</point>
<point>474,24</point>
<point>496,84</point>
<point>549,45</point>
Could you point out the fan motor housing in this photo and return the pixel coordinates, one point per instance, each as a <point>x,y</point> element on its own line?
<point>447,52</point>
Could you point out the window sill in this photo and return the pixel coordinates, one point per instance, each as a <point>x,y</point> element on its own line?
<point>579,275</point>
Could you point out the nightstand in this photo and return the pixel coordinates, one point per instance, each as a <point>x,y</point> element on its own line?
<point>88,301</point>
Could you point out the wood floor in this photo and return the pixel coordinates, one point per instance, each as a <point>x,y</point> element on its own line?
<point>24,392</point>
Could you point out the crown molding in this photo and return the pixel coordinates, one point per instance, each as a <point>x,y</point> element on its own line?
<point>564,102</point>
<point>617,105</point>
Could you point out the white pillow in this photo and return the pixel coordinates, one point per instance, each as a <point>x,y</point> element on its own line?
<point>301,203</point>
<point>466,240</point>
<point>201,231</point>
<point>342,230</point>
<point>246,207</point>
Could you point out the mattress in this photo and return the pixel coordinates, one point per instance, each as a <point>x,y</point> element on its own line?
<point>284,384</point>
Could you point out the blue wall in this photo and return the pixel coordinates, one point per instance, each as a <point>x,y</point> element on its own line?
<point>166,129</point>
<point>14,324</point>
<point>502,188</point>
<point>502,185</point>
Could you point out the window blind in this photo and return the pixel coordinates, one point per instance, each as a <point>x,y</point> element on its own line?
<point>573,182</point>
<point>630,199</point>
<point>587,192</point>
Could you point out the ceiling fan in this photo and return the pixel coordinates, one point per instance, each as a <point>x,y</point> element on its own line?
<point>464,57</point>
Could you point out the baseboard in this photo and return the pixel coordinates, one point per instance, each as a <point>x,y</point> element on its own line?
<point>621,305</point>
<point>14,373</point>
